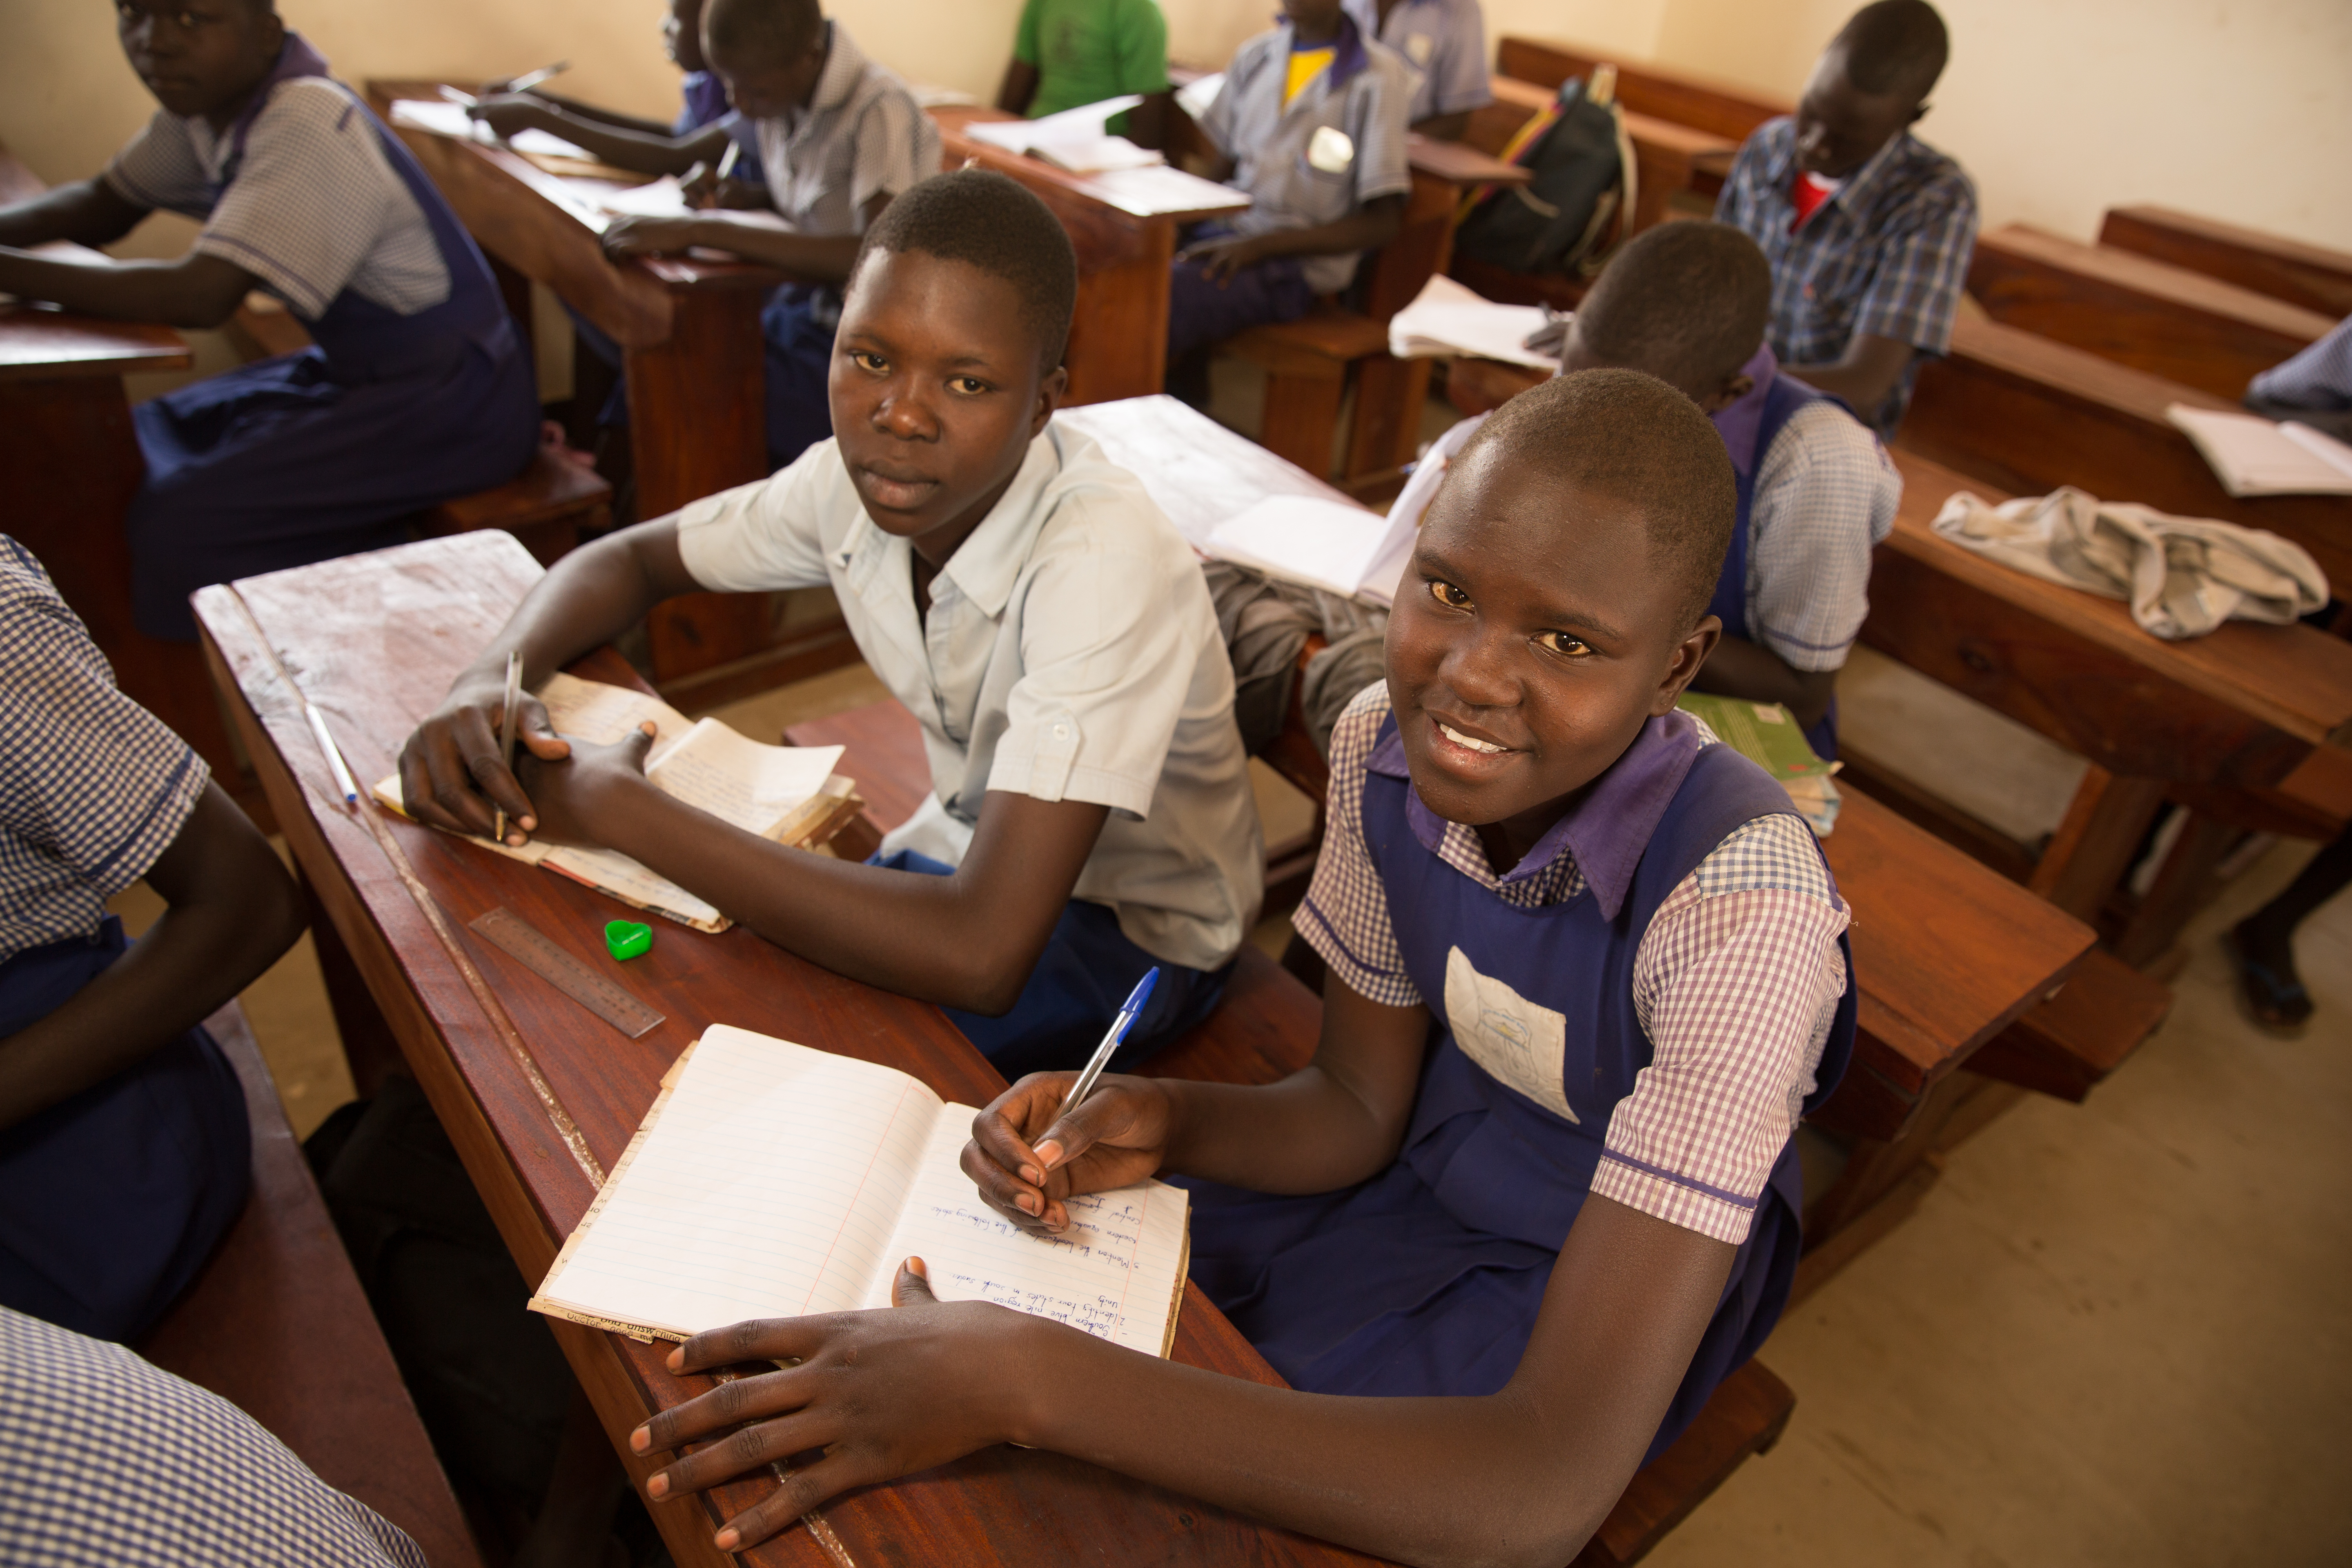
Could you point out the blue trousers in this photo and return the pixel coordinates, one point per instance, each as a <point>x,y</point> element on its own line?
<point>798,322</point>
<point>1086,971</point>
<point>1200,312</point>
<point>112,1199</point>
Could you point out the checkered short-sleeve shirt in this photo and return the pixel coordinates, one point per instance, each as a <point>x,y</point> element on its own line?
<point>111,1462</point>
<point>1735,982</point>
<point>1826,492</point>
<point>93,788</point>
<point>1886,255</point>
<point>311,208</point>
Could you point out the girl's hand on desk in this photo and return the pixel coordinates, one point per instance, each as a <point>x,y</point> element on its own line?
<point>1025,1156</point>
<point>883,1394</point>
<point>577,795</point>
<point>451,775</point>
<point>507,115</point>
<point>650,236</point>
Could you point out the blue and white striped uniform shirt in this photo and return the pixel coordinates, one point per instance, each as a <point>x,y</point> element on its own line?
<point>1885,256</point>
<point>109,1462</point>
<point>1444,41</point>
<point>93,788</point>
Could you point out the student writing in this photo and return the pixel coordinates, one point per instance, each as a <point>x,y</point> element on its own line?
<point>418,389</point>
<point>1020,594</point>
<point>1311,122</point>
<point>839,136</point>
<point>1535,1194</point>
<point>1445,42</point>
<point>123,1145</point>
<point>706,126</point>
<point>1066,53</point>
<point>1867,227</point>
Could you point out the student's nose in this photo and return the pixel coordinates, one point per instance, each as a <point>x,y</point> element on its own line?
<point>1479,669</point>
<point>904,412</point>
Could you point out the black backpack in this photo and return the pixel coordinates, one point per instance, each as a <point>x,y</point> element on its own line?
<point>1557,220</point>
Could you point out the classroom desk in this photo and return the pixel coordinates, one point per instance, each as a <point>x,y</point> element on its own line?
<point>2314,277</point>
<point>1669,157</point>
<point>1948,953</point>
<point>2150,315</point>
<point>689,330</point>
<point>1125,242</point>
<point>1706,103</point>
<point>2028,415</point>
<point>540,1097</point>
<point>2240,708</point>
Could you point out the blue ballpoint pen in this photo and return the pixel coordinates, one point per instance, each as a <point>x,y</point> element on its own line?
<point>1119,1029</point>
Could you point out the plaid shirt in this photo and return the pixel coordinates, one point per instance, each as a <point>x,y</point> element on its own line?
<point>93,788</point>
<point>113,1463</point>
<point>1735,982</point>
<point>2319,377</point>
<point>1886,256</point>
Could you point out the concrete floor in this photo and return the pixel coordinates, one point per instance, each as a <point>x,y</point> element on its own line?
<point>2113,1333</point>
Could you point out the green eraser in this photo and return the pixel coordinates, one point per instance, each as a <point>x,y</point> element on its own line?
<point>627,938</point>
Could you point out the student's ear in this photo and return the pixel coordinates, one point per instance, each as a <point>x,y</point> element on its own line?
<point>1736,385</point>
<point>1918,115</point>
<point>1689,656</point>
<point>1051,390</point>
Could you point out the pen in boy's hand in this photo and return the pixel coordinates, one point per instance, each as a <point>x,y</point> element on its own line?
<point>530,80</point>
<point>506,734</point>
<point>1128,1012</point>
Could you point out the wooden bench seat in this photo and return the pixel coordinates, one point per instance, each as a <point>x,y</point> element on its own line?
<point>549,506</point>
<point>2073,1040</point>
<point>2314,277</point>
<point>278,1326</point>
<point>2150,315</point>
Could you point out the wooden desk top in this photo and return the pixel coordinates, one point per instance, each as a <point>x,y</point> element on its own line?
<point>2315,276</point>
<point>2158,279</point>
<point>1459,163</point>
<point>39,344</point>
<point>2296,679</point>
<point>1200,472</point>
<point>1135,199</point>
<point>1647,130</point>
<point>541,1097</point>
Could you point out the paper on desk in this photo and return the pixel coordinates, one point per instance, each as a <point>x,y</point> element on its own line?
<point>1445,319</point>
<point>1195,95</point>
<point>2252,457</point>
<point>1146,193</point>
<point>664,197</point>
<point>1324,545</point>
<point>1074,139</point>
<point>446,119</point>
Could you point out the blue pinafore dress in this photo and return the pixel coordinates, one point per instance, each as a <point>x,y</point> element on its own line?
<point>1748,428</point>
<point>112,1199</point>
<point>327,452</point>
<point>1427,1279</point>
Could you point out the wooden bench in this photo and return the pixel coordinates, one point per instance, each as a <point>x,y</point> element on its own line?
<point>549,506</point>
<point>1720,108</point>
<point>2027,414</point>
<point>2155,317</point>
<point>278,1325</point>
<point>2314,277</point>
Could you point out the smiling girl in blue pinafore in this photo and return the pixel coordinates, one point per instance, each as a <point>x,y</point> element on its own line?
<point>419,389</point>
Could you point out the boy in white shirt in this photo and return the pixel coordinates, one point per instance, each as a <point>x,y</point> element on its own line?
<point>1022,595</point>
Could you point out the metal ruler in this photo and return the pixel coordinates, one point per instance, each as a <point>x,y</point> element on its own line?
<point>538,951</point>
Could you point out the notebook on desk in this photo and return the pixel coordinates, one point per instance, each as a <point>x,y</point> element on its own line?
<point>788,794</point>
<point>771,1180</point>
<point>2254,457</point>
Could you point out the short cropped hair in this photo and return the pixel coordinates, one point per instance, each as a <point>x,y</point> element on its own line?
<point>1632,437</point>
<point>1896,46</point>
<point>762,31</point>
<point>1685,301</point>
<point>986,220</point>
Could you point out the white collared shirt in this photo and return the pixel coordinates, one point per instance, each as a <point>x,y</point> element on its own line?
<point>1070,653</point>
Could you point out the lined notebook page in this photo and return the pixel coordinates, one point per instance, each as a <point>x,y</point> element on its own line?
<point>766,1183</point>
<point>1114,1273</point>
<point>738,780</point>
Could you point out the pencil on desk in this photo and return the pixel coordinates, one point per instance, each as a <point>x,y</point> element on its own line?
<point>334,756</point>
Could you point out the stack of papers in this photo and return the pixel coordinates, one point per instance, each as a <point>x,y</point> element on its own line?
<point>1445,319</point>
<point>2252,457</point>
<point>1769,736</point>
<point>1331,545</point>
<point>1073,140</point>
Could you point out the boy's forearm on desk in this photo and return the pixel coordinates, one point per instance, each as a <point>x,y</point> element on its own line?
<point>197,292</point>
<point>821,258</point>
<point>626,147</point>
<point>588,598</point>
<point>87,212</point>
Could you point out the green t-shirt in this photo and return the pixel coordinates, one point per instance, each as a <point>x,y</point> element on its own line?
<point>1087,50</point>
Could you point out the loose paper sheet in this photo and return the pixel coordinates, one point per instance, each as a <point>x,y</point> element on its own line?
<point>1321,544</point>
<point>1447,319</point>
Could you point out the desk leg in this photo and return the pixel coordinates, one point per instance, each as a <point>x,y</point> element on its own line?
<point>1119,333</point>
<point>1389,395</point>
<point>2092,850</point>
<point>73,464</point>
<point>697,406</point>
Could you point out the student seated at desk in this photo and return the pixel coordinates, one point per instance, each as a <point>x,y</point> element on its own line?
<point>839,136</point>
<point>1311,124</point>
<point>1068,53</point>
<point>124,1154</point>
<point>418,389</point>
<point>1868,228</point>
<point>1021,595</point>
<point>706,126</point>
<point>1686,303</point>
<point>1536,1194</point>
<point>1444,41</point>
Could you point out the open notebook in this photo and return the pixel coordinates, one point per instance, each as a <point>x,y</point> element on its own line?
<point>770,1179</point>
<point>788,794</point>
<point>2255,456</point>
<point>1337,546</point>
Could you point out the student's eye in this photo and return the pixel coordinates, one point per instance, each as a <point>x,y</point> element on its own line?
<point>1565,644</point>
<point>1447,595</point>
<point>865,359</point>
<point>970,386</point>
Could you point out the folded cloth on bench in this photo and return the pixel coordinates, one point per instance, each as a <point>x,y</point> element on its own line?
<point>2182,576</point>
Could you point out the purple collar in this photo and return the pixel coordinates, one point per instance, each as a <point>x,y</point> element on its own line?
<point>295,58</point>
<point>1740,422</point>
<point>1348,54</point>
<point>1606,830</point>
